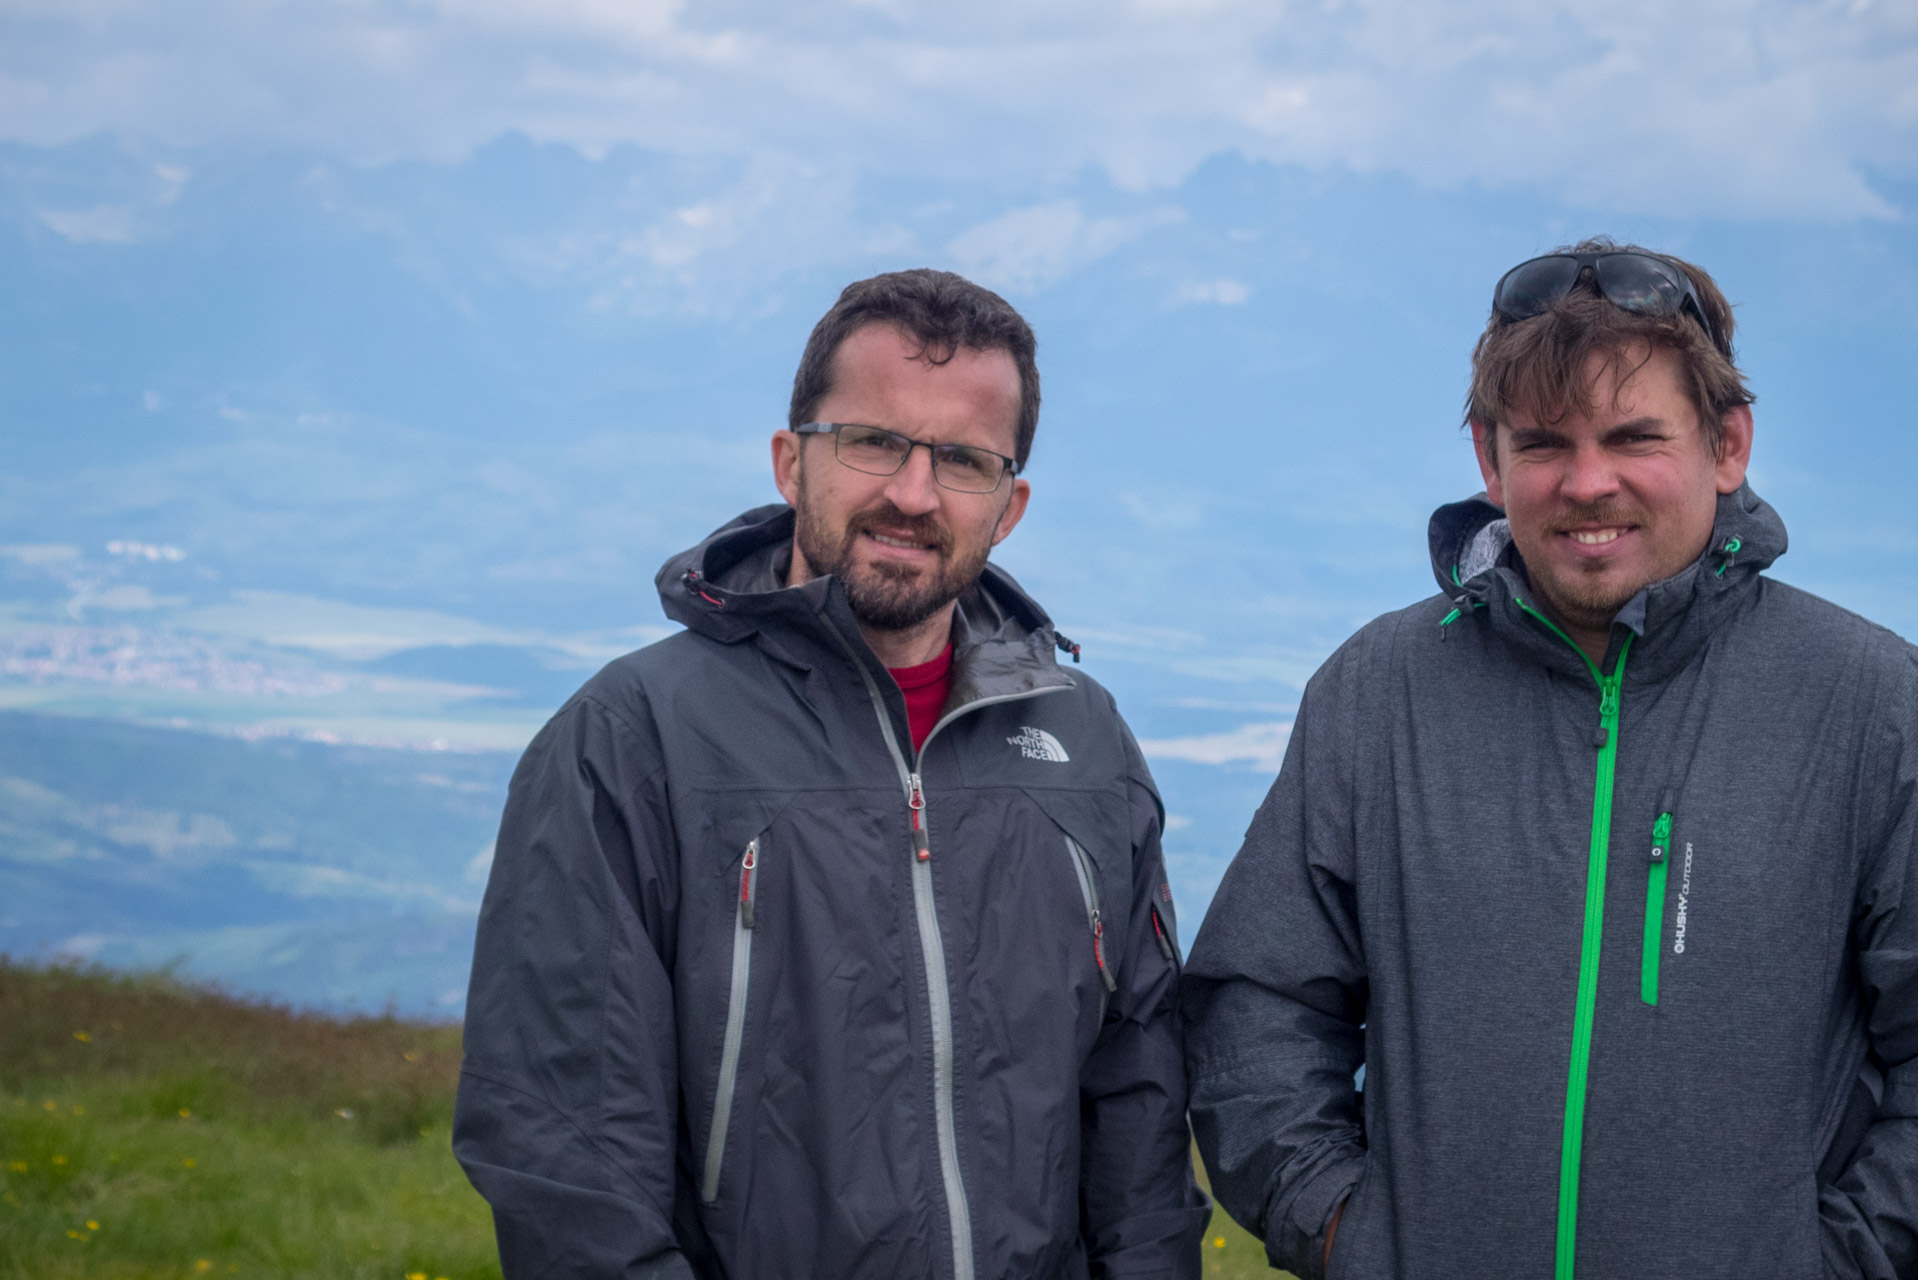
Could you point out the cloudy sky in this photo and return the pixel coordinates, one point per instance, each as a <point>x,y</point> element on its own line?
<point>431,327</point>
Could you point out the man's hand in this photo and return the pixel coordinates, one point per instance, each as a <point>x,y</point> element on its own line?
<point>1332,1229</point>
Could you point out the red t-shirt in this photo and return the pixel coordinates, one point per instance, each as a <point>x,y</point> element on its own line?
<point>925,687</point>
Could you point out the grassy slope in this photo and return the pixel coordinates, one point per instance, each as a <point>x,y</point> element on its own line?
<point>152,1130</point>
<point>148,1130</point>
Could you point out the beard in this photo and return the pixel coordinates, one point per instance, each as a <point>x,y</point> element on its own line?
<point>1591,599</point>
<point>888,597</point>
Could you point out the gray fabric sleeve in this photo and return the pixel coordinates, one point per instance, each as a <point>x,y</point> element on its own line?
<point>567,1112</point>
<point>1275,996</point>
<point>1870,1212</point>
<point>1142,1213</point>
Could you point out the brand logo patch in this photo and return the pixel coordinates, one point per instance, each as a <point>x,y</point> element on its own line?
<point>1684,902</point>
<point>1037,744</point>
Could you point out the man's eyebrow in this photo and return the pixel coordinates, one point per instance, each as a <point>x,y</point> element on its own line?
<point>1645,422</point>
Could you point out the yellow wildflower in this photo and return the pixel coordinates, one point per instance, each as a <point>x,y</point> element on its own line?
<point>188,1162</point>
<point>202,1265</point>
<point>83,1037</point>
<point>1218,1242</point>
<point>18,1166</point>
<point>411,1055</point>
<point>185,1114</point>
<point>92,1225</point>
<point>50,1105</point>
<point>59,1159</point>
<point>416,1275</point>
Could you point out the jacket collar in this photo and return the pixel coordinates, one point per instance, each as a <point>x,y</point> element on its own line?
<point>732,587</point>
<point>1479,568</point>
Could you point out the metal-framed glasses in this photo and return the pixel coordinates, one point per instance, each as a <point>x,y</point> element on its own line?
<point>1636,282</point>
<point>963,468</point>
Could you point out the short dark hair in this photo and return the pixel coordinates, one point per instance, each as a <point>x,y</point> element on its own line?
<point>1537,365</point>
<point>941,312</point>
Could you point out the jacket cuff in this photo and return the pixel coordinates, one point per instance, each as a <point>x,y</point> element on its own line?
<point>1297,1242</point>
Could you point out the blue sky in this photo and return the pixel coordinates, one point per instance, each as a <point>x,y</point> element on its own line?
<point>393,345</point>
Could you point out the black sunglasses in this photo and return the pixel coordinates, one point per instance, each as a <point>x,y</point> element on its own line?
<point>1635,282</point>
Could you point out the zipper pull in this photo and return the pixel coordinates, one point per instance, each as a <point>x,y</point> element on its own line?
<point>1607,710</point>
<point>1158,929</point>
<point>746,868</point>
<point>1661,837</point>
<point>1099,952</point>
<point>916,800</point>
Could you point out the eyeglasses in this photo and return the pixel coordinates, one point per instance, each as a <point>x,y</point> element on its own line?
<point>963,468</point>
<point>1635,282</point>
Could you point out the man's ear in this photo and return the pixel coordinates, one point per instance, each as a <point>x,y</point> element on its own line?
<point>1485,448</point>
<point>1014,512</point>
<point>1735,451</point>
<point>786,458</point>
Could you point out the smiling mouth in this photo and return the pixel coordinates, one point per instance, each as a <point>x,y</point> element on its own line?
<point>1594,537</point>
<point>902,544</point>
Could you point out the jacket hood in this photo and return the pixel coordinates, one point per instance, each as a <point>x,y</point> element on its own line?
<point>1479,569</point>
<point>732,586</point>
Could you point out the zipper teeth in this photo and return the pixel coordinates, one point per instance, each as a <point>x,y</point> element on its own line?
<point>938,992</point>
<point>735,1025</point>
<point>1572,1150</point>
<point>1655,909</point>
<point>1088,889</point>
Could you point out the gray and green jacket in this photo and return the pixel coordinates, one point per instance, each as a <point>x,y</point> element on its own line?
<point>761,992</point>
<point>1623,949</point>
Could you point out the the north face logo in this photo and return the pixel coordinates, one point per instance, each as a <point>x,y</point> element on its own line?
<point>1037,744</point>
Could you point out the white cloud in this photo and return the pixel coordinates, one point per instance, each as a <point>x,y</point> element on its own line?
<point>1028,249</point>
<point>1731,107</point>
<point>1226,293</point>
<point>1259,746</point>
<point>102,224</point>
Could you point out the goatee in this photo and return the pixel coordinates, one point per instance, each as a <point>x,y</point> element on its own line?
<point>889,597</point>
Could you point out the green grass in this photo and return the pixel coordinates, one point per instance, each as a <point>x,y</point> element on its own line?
<point>154,1131</point>
<point>151,1130</point>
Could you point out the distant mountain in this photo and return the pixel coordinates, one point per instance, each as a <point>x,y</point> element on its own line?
<point>329,876</point>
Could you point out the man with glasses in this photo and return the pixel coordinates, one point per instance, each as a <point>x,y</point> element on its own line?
<point>831,936</point>
<point>1596,861</point>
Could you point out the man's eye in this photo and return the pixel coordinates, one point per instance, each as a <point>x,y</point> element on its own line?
<point>869,438</point>
<point>970,459</point>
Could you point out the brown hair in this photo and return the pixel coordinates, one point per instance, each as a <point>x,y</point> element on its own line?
<point>940,311</point>
<point>1537,366</point>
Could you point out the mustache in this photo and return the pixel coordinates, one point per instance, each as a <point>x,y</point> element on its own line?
<point>888,519</point>
<point>1594,513</point>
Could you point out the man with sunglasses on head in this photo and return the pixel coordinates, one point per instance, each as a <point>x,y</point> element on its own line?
<point>1596,860</point>
<point>831,937</point>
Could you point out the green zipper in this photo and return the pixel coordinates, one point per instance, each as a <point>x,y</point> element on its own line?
<point>1655,908</point>
<point>1572,1148</point>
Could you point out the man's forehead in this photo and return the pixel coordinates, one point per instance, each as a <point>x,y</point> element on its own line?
<point>894,373</point>
<point>1619,386</point>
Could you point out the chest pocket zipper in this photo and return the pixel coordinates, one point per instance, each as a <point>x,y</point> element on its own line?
<point>1088,874</point>
<point>735,1023</point>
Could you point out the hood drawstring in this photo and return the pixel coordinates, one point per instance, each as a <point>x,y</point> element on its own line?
<point>693,581</point>
<point>1730,549</point>
<point>1066,645</point>
<point>1461,605</point>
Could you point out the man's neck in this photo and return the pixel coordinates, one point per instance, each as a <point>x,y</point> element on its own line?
<point>913,646</point>
<point>1594,641</point>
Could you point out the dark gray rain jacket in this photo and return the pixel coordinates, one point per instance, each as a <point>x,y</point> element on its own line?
<point>757,993</point>
<point>1624,949</point>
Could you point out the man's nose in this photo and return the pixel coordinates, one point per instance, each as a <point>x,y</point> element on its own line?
<point>1590,475</point>
<point>912,488</point>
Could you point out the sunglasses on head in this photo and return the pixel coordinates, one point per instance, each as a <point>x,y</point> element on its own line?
<point>1630,281</point>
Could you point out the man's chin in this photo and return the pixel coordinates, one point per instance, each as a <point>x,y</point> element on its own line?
<point>1590,599</point>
